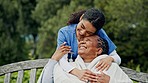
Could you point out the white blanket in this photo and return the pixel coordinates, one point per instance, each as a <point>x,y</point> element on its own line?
<point>115,72</point>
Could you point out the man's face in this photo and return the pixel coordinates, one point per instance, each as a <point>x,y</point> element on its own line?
<point>87,48</point>
<point>84,29</point>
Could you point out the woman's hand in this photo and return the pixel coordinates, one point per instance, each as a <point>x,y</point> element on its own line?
<point>62,50</point>
<point>84,75</point>
<point>102,78</point>
<point>104,63</point>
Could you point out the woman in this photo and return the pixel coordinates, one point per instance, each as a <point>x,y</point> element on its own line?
<point>81,24</point>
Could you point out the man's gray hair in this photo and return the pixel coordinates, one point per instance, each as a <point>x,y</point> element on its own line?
<point>103,44</point>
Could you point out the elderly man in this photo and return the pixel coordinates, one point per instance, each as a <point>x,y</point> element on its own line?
<point>91,50</point>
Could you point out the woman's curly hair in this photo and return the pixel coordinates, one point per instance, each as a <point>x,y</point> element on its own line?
<point>94,16</point>
<point>75,17</point>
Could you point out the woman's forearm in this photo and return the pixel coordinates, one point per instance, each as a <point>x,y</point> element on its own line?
<point>116,57</point>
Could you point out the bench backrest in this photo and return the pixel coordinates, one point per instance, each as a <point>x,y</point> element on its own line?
<point>33,65</point>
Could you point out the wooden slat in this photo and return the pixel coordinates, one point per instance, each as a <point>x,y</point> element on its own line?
<point>7,78</point>
<point>20,76</point>
<point>32,76</point>
<point>136,76</point>
<point>39,63</point>
<point>30,64</point>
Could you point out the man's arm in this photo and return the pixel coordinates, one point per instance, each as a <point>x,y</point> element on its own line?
<point>47,73</point>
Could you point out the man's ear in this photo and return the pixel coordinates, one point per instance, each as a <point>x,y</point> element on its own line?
<point>99,51</point>
<point>81,17</point>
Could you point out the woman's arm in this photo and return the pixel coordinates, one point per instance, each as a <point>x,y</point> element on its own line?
<point>105,63</point>
<point>65,65</point>
<point>116,57</point>
<point>46,75</point>
<point>113,56</point>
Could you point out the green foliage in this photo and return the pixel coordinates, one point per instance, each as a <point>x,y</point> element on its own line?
<point>46,9</point>
<point>14,77</point>
<point>126,25</point>
<point>26,76</point>
<point>2,79</point>
<point>16,25</point>
<point>12,45</point>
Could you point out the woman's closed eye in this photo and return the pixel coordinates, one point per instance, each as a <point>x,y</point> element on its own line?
<point>90,33</point>
<point>82,26</point>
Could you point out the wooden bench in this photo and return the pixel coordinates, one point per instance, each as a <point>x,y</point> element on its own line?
<point>33,65</point>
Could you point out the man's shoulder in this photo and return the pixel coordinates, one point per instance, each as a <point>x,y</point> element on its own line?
<point>56,66</point>
<point>114,66</point>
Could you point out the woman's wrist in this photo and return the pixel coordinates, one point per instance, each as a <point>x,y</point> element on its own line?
<point>75,72</point>
<point>111,58</point>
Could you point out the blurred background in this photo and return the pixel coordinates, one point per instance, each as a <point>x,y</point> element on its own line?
<point>28,28</point>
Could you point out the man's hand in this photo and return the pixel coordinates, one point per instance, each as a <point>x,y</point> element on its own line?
<point>84,75</point>
<point>104,63</point>
<point>62,50</point>
<point>103,78</point>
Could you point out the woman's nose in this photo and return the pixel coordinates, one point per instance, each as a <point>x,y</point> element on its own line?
<point>83,32</point>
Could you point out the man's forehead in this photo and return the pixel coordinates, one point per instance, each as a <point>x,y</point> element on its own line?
<point>94,37</point>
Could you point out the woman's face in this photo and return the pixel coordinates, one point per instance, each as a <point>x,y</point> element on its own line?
<point>84,29</point>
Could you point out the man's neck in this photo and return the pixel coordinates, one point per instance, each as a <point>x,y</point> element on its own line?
<point>86,64</point>
<point>87,60</point>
